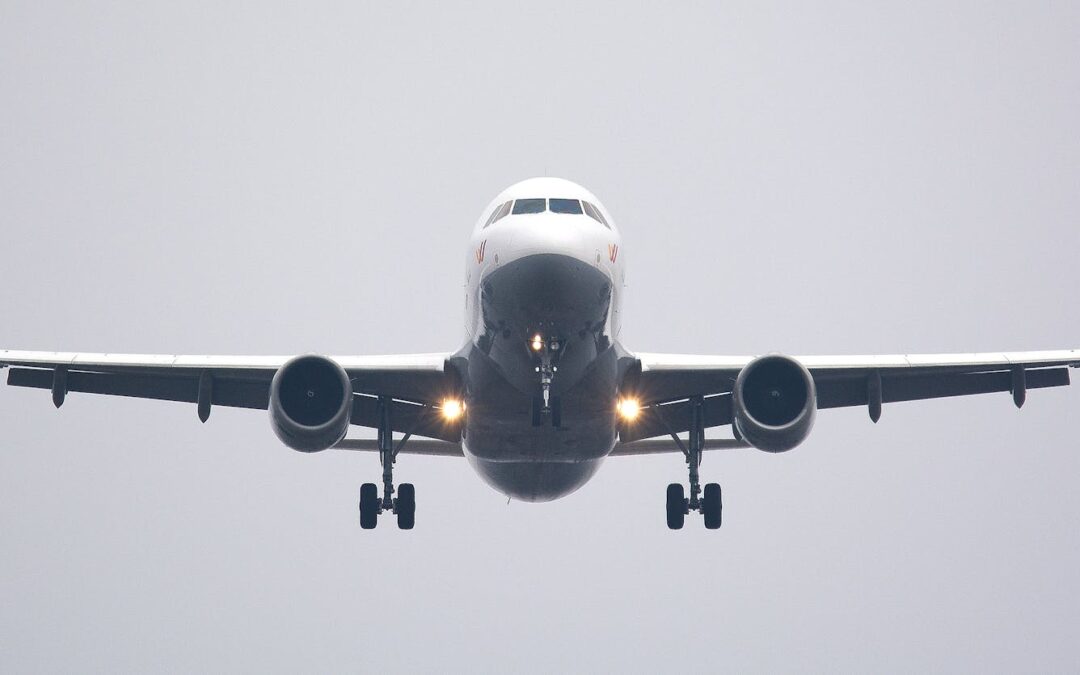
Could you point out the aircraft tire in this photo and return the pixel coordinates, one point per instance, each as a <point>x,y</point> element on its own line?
<point>406,506</point>
<point>369,506</point>
<point>711,506</point>
<point>676,506</point>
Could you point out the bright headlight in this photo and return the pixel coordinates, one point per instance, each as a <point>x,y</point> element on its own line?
<point>452,409</point>
<point>628,409</point>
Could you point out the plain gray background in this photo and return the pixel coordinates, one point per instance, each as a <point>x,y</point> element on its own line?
<point>830,179</point>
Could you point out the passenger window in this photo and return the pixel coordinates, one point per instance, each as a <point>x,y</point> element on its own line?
<point>499,213</point>
<point>595,214</point>
<point>529,206</point>
<point>565,206</point>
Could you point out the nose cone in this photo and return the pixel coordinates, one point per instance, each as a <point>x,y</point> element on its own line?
<point>574,236</point>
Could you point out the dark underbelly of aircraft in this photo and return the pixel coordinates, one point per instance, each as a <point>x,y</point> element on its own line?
<point>523,448</point>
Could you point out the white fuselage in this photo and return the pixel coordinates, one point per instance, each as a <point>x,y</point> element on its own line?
<point>544,275</point>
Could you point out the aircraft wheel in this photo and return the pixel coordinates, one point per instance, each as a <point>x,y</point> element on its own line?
<point>369,506</point>
<point>406,506</point>
<point>676,506</point>
<point>711,506</point>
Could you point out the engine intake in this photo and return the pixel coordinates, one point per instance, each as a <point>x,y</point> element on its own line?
<point>310,403</point>
<point>775,403</point>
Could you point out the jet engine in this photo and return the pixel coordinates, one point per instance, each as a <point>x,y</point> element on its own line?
<point>310,403</point>
<point>774,403</point>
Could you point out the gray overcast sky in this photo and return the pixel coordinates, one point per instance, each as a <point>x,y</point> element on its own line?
<point>231,178</point>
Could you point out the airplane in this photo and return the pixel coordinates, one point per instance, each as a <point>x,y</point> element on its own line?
<point>542,390</point>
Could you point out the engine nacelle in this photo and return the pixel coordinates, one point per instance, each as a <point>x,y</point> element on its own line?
<point>775,403</point>
<point>310,403</point>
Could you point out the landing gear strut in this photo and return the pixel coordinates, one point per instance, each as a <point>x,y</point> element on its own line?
<point>709,503</point>
<point>404,506</point>
<point>547,358</point>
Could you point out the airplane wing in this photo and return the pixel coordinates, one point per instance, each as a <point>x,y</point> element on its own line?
<point>414,382</point>
<point>665,382</point>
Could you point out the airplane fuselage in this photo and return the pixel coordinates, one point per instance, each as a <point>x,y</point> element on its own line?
<point>542,308</point>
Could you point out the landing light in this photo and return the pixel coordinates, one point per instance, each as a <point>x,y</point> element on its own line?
<point>537,342</point>
<point>452,409</point>
<point>628,409</point>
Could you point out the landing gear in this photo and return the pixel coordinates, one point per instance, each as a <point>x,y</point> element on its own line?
<point>546,405</point>
<point>404,506</point>
<point>708,504</point>
<point>678,506</point>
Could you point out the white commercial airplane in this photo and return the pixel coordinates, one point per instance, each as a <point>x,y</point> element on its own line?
<point>542,391</point>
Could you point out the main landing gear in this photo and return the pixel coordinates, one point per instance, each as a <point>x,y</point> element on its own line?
<point>404,505</point>
<point>709,503</point>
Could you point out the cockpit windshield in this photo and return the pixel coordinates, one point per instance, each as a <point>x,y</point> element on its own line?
<point>529,206</point>
<point>499,213</point>
<point>572,207</point>
<point>594,213</point>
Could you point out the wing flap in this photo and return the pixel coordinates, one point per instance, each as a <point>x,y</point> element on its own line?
<point>405,417</point>
<point>450,449</point>
<point>662,420</point>
<point>414,446</point>
<point>668,446</point>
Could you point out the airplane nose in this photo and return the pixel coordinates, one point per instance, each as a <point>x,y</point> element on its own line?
<point>553,234</point>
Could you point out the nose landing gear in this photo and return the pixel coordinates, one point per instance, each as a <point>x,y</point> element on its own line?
<point>708,504</point>
<point>546,405</point>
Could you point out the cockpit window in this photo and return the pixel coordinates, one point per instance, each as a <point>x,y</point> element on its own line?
<point>572,206</point>
<point>499,213</point>
<point>529,206</point>
<point>595,214</point>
